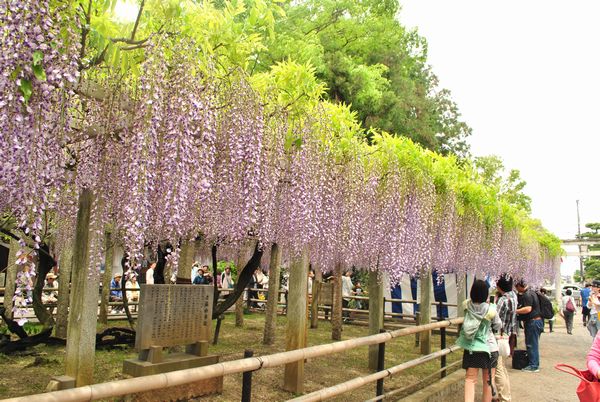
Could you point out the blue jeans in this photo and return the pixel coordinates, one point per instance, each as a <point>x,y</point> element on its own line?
<point>533,329</point>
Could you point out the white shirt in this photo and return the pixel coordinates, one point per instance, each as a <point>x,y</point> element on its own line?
<point>347,286</point>
<point>150,276</point>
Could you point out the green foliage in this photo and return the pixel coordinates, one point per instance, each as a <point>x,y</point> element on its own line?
<point>221,265</point>
<point>371,62</point>
<point>509,188</point>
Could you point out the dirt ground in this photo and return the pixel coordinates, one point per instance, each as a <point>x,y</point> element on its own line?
<point>549,384</point>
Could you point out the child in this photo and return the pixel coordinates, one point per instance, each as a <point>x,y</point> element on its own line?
<point>478,341</point>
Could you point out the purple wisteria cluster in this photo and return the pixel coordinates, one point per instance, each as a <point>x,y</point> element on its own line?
<point>181,150</point>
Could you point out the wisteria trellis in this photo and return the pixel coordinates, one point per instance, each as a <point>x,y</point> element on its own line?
<point>195,152</point>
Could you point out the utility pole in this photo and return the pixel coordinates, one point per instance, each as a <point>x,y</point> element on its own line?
<point>580,248</point>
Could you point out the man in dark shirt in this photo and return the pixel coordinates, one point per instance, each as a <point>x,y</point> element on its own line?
<point>528,311</point>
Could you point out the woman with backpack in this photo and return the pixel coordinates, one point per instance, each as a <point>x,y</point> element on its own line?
<point>568,310</point>
<point>479,342</point>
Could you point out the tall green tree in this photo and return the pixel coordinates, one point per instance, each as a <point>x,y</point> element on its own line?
<point>509,187</point>
<point>370,61</point>
<point>591,265</point>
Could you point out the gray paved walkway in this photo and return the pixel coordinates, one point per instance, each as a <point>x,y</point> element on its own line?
<point>556,347</point>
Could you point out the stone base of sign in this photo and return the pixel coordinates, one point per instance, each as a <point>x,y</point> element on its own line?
<point>170,362</point>
<point>184,392</point>
<point>60,382</point>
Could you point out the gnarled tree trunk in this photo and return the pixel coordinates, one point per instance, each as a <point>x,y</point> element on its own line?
<point>44,266</point>
<point>243,280</point>
<point>11,278</point>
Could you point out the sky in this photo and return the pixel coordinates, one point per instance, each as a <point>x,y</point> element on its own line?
<point>526,78</point>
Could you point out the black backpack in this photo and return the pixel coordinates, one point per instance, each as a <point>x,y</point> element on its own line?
<point>546,310</point>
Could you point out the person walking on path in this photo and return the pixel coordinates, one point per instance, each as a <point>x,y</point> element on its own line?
<point>585,295</point>
<point>593,325</point>
<point>506,306</point>
<point>567,310</point>
<point>528,312</point>
<point>480,350</point>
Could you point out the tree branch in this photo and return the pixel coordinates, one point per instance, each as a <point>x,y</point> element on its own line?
<point>137,20</point>
<point>243,280</point>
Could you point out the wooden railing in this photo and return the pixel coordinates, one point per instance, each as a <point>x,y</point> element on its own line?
<point>130,386</point>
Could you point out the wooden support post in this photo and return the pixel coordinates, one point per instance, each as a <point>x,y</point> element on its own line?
<point>558,283</point>
<point>273,296</point>
<point>239,303</point>
<point>380,366</point>
<point>11,277</point>
<point>442,347</point>
<point>65,266</point>
<point>336,306</point>
<point>425,310</point>
<point>83,309</point>
<point>247,380</point>
<point>186,260</point>
<point>461,293</point>
<point>316,292</point>
<point>109,252</point>
<point>376,307</point>
<point>296,329</point>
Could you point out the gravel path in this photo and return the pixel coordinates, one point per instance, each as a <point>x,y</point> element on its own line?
<point>556,347</point>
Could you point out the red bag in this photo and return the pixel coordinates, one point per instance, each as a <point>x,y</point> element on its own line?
<point>570,307</point>
<point>589,386</point>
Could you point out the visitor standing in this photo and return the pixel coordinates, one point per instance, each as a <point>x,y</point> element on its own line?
<point>593,304</point>
<point>567,310</point>
<point>585,311</point>
<point>358,291</point>
<point>480,350</point>
<point>554,310</point>
<point>347,287</point>
<point>528,312</point>
<point>116,294</point>
<point>195,269</point>
<point>50,296</point>
<point>226,278</point>
<point>133,291</point>
<point>150,274</point>
<point>506,307</point>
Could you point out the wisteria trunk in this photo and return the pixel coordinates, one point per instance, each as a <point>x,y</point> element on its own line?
<point>425,310</point>
<point>45,264</point>
<point>109,251</point>
<point>81,333</point>
<point>273,295</point>
<point>11,277</point>
<point>297,321</point>
<point>336,305</point>
<point>376,305</point>
<point>65,264</point>
<point>316,291</point>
